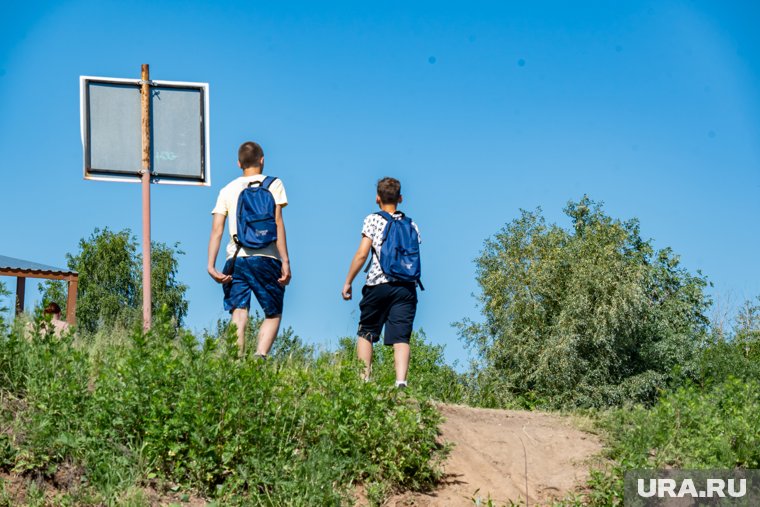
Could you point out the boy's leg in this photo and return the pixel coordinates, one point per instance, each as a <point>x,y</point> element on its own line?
<point>401,353</point>
<point>240,319</point>
<point>237,300</point>
<point>364,353</point>
<point>267,334</point>
<point>398,328</point>
<point>372,315</point>
<point>264,273</point>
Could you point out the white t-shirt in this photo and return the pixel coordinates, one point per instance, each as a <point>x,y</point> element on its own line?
<point>373,228</point>
<point>226,204</point>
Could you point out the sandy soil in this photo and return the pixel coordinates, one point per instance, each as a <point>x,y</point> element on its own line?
<point>491,453</point>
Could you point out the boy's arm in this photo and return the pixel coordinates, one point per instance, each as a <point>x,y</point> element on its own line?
<point>282,246</point>
<point>360,257</point>
<point>217,231</point>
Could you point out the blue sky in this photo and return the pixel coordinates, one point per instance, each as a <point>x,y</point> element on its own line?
<point>480,109</point>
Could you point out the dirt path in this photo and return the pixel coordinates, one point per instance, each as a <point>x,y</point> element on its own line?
<point>488,458</point>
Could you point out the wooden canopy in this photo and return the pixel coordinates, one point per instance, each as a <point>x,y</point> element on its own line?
<point>22,270</point>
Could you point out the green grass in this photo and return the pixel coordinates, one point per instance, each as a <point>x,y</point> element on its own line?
<point>133,409</point>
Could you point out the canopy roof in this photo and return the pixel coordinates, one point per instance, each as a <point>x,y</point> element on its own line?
<point>11,264</point>
<point>21,269</point>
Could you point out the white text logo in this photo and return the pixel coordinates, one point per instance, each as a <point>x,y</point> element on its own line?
<point>714,488</point>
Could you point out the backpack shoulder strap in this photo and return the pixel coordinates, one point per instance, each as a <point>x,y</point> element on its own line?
<point>268,181</point>
<point>388,221</point>
<point>385,215</point>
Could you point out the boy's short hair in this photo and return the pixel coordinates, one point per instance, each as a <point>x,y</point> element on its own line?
<point>250,154</point>
<point>52,309</point>
<point>389,190</point>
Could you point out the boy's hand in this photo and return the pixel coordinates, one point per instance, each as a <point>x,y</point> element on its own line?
<point>285,278</point>
<point>347,292</point>
<point>219,277</point>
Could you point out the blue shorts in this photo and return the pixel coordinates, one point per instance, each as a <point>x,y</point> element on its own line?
<point>257,274</point>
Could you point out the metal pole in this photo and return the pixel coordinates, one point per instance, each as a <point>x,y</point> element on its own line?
<point>146,174</point>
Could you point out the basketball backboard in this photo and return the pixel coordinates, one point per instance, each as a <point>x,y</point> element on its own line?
<point>112,131</point>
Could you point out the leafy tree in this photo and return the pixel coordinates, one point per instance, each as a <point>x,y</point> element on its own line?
<point>167,290</point>
<point>110,280</point>
<point>590,316</point>
<point>747,322</point>
<point>53,292</point>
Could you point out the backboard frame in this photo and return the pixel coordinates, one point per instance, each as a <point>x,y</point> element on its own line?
<point>101,174</point>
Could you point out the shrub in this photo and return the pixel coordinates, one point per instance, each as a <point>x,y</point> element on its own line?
<point>588,317</point>
<point>13,362</point>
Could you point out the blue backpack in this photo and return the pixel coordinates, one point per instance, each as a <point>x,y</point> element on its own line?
<point>256,226</point>
<point>400,251</point>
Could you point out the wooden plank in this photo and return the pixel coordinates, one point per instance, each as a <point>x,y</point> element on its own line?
<point>20,290</point>
<point>71,302</point>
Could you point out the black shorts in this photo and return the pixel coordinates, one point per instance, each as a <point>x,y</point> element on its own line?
<point>391,304</point>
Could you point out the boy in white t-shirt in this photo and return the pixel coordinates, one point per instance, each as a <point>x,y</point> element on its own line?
<point>264,272</point>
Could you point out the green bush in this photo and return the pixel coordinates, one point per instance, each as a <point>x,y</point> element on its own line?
<point>13,362</point>
<point>729,358</point>
<point>162,407</point>
<point>732,354</point>
<point>592,316</point>
<point>690,427</point>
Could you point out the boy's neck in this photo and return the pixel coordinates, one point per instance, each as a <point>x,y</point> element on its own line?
<point>252,171</point>
<point>389,208</point>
